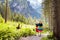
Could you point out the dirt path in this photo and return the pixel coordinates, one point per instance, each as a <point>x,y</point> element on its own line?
<point>30,38</point>
<point>33,37</point>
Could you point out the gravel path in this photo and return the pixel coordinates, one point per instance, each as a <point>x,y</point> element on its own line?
<point>30,38</point>
<point>34,37</point>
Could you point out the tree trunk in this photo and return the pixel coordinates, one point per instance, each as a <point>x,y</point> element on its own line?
<point>6,11</point>
<point>57,19</point>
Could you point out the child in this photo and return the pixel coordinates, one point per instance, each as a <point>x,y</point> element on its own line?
<point>39,28</point>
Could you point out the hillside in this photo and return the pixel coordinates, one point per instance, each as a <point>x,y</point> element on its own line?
<point>23,7</point>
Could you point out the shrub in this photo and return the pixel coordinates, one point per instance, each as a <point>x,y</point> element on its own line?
<point>9,32</point>
<point>49,37</point>
<point>24,32</point>
<point>1,19</point>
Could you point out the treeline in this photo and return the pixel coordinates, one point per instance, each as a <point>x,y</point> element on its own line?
<point>18,17</point>
<point>7,14</point>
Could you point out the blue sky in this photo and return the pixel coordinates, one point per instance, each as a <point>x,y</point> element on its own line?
<point>35,3</point>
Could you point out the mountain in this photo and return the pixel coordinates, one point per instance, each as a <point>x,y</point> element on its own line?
<point>23,7</point>
<point>32,11</point>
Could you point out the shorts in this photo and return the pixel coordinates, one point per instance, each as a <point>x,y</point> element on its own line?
<point>39,29</point>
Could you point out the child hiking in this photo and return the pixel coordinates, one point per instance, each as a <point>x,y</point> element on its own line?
<point>39,27</point>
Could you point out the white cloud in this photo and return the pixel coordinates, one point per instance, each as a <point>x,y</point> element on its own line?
<point>40,1</point>
<point>35,3</point>
<point>14,4</point>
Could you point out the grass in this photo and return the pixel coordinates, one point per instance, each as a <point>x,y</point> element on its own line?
<point>49,37</point>
<point>8,31</point>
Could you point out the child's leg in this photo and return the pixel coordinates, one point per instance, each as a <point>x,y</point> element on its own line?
<point>39,33</point>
